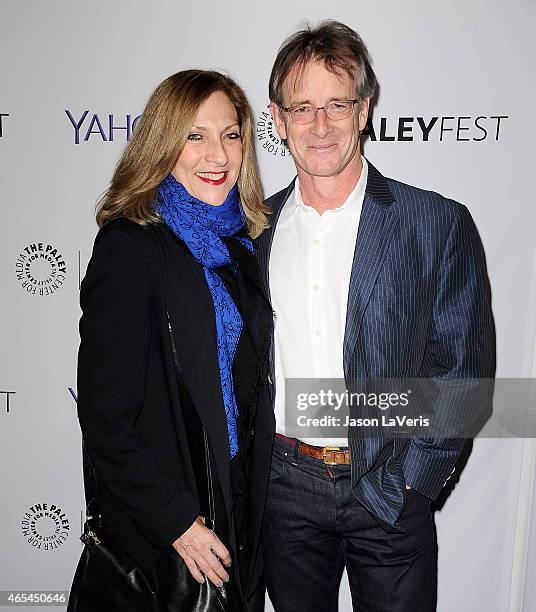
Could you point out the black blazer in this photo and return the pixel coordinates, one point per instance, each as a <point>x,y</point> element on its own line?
<point>129,403</point>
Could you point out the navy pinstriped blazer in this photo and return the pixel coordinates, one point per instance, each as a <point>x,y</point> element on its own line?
<point>419,306</point>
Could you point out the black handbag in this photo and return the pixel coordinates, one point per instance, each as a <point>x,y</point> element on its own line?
<point>107,579</point>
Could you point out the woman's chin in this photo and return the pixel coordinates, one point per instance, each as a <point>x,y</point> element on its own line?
<point>212,195</point>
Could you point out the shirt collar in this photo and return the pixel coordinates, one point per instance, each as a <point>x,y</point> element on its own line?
<point>352,205</point>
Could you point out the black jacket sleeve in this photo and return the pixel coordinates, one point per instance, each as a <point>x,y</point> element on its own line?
<point>115,332</point>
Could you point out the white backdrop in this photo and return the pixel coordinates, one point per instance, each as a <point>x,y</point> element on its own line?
<point>92,65</point>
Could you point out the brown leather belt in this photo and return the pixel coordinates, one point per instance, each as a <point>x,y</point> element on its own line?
<point>330,455</point>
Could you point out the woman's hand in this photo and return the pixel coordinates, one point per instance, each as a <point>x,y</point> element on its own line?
<point>203,553</point>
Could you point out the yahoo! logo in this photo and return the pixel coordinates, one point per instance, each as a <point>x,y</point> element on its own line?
<point>102,127</point>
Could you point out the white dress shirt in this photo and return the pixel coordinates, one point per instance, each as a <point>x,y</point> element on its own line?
<point>310,265</point>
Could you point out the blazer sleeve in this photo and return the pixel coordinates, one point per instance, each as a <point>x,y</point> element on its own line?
<point>115,330</point>
<point>462,347</point>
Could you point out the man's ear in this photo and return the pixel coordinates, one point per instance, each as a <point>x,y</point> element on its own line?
<point>278,120</point>
<point>363,113</point>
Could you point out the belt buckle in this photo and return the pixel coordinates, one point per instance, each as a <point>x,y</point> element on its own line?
<point>326,449</point>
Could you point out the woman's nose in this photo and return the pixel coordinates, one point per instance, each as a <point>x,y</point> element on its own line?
<point>216,153</point>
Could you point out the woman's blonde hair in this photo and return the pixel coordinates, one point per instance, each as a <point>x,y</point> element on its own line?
<point>158,139</point>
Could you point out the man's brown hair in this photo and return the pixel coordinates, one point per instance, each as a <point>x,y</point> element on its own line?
<point>337,45</point>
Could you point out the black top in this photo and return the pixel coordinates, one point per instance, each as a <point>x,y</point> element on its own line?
<point>128,401</point>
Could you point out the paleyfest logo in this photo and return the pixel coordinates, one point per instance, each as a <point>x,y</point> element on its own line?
<point>2,116</point>
<point>448,128</point>
<point>40,269</point>
<point>5,400</point>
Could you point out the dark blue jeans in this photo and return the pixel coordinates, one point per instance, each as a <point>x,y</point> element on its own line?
<point>314,527</point>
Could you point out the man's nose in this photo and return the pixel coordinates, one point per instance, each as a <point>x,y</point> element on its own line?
<point>321,126</point>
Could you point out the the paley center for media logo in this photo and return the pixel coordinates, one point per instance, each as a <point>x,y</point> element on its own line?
<point>268,137</point>
<point>45,526</point>
<point>40,268</point>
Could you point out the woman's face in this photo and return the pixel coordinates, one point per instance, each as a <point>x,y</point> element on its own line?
<point>209,163</point>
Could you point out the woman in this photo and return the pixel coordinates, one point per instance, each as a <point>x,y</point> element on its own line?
<point>172,283</point>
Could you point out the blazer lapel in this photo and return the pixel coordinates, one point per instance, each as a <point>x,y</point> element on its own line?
<point>263,244</point>
<point>376,227</point>
<point>194,332</point>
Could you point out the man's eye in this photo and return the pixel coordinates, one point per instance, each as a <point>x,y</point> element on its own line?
<point>339,105</point>
<point>300,110</point>
<point>194,136</point>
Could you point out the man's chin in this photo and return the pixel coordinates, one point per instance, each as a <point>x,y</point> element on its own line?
<point>322,171</point>
<point>325,168</point>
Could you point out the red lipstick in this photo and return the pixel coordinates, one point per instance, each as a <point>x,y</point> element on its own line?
<point>212,181</point>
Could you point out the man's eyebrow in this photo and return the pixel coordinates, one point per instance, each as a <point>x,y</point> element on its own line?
<point>300,102</point>
<point>332,99</point>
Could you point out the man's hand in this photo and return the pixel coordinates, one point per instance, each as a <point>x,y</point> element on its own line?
<point>203,553</point>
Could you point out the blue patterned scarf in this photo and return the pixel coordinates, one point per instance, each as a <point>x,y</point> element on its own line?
<point>201,226</point>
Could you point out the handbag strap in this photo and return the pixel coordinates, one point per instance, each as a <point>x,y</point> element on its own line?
<point>92,485</point>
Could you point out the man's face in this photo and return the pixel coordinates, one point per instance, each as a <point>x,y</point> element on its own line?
<point>323,147</point>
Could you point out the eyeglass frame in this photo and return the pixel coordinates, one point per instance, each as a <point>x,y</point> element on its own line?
<point>287,109</point>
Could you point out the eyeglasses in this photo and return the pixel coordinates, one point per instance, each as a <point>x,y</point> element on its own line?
<point>335,110</point>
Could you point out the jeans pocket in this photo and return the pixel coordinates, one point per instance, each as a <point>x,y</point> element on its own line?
<point>416,510</point>
<point>277,466</point>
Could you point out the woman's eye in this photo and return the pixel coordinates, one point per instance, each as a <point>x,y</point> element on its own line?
<point>233,135</point>
<point>194,137</point>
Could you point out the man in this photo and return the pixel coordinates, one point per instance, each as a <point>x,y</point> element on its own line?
<point>368,277</point>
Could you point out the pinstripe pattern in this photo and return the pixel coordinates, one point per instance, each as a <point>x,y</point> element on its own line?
<point>419,305</point>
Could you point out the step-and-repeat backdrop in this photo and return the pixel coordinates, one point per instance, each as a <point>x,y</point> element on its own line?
<point>455,115</point>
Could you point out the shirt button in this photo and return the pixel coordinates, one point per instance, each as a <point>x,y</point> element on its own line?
<point>318,332</point>
<point>316,287</point>
<point>316,242</point>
